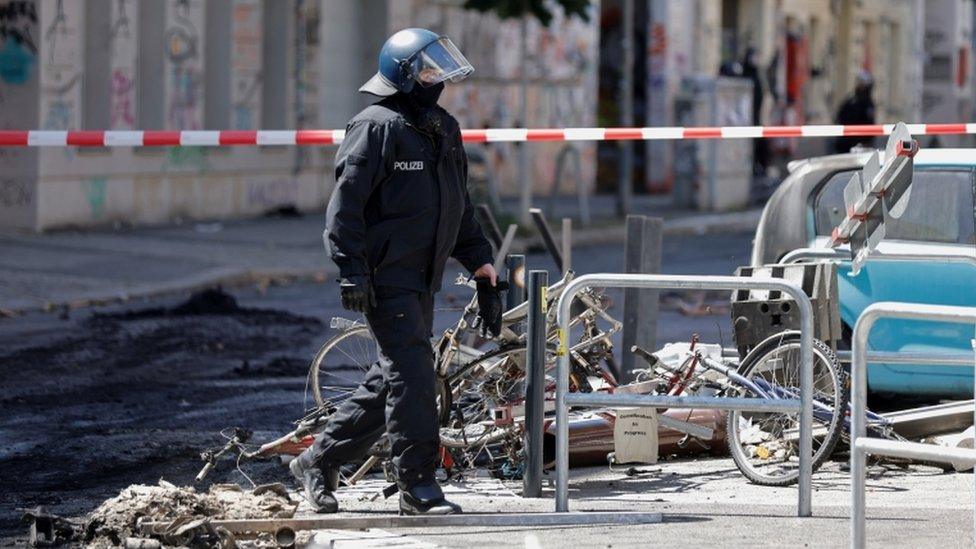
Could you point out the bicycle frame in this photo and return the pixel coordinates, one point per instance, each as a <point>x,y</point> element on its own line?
<point>763,389</point>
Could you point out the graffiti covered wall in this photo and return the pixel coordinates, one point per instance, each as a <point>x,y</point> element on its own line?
<point>19,84</point>
<point>124,54</point>
<point>99,186</point>
<point>62,59</point>
<point>184,64</point>
<point>246,40</point>
<point>560,69</point>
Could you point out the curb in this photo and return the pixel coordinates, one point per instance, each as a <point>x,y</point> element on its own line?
<point>228,276</point>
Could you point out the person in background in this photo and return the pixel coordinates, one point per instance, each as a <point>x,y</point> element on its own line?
<point>760,147</point>
<point>858,108</point>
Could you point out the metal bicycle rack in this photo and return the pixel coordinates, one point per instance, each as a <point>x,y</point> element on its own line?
<point>565,399</point>
<point>801,254</point>
<point>861,445</point>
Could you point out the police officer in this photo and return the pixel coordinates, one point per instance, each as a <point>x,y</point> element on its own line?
<point>400,209</point>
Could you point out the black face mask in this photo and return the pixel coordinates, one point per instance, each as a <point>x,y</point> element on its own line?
<point>424,96</point>
<point>427,115</point>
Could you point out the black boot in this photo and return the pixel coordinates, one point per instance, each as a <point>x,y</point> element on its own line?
<point>426,498</point>
<point>317,483</point>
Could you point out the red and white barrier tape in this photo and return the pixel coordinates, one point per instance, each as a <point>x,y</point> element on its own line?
<point>43,138</point>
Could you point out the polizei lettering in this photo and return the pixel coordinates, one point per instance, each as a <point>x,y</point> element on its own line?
<point>408,165</point>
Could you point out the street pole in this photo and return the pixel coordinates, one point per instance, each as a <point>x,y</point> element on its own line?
<point>567,236</point>
<point>626,147</point>
<point>524,177</point>
<point>535,389</point>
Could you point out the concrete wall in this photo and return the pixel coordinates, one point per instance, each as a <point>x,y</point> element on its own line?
<point>19,88</point>
<point>153,65</point>
<point>352,35</point>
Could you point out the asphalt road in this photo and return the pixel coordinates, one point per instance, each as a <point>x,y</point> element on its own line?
<point>95,399</point>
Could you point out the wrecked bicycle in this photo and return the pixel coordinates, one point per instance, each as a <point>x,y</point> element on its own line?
<point>763,445</point>
<point>480,391</point>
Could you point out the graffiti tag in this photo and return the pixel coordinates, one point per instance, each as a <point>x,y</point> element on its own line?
<point>15,192</point>
<point>122,111</point>
<point>18,50</point>
<point>95,193</point>
<point>16,21</point>
<point>186,158</point>
<point>272,193</point>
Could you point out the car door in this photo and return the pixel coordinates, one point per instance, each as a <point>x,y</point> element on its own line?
<point>939,220</point>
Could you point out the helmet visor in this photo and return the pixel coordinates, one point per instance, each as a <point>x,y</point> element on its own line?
<point>441,61</point>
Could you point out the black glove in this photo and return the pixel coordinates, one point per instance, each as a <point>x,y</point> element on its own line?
<point>490,305</point>
<point>356,293</point>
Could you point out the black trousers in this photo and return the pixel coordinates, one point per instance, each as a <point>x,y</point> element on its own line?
<point>398,394</point>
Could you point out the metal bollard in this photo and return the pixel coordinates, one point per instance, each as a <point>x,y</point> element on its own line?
<point>515,267</point>
<point>535,388</point>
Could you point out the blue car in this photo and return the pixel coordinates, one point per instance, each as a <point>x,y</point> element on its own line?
<point>939,221</point>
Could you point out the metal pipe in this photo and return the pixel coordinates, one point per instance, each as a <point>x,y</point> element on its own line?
<point>535,390</point>
<point>677,282</point>
<point>940,359</point>
<point>567,237</point>
<point>837,254</point>
<point>694,402</point>
<point>547,238</point>
<point>490,225</point>
<point>237,526</point>
<point>505,246</point>
<point>916,450</point>
<point>859,344</point>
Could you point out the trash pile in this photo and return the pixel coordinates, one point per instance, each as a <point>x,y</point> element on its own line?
<point>117,521</point>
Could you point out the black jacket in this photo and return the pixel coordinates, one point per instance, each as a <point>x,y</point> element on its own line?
<point>856,109</point>
<point>400,207</point>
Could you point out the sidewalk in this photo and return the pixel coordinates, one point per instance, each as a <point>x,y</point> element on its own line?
<point>78,268</point>
<point>705,503</point>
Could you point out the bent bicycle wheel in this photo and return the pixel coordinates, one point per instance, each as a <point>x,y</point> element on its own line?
<point>341,364</point>
<point>765,445</point>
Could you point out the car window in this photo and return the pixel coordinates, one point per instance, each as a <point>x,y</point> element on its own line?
<point>940,207</point>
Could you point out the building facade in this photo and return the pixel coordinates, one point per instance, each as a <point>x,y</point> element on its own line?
<point>242,64</point>
<point>809,53</point>
<point>287,64</point>
<point>161,64</point>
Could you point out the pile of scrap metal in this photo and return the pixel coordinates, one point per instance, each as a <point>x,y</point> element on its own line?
<point>188,514</point>
<point>680,433</point>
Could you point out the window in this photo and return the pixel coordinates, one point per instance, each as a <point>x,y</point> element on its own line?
<point>940,209</point>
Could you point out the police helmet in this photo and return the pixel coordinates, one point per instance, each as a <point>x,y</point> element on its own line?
<point>416,55</point>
